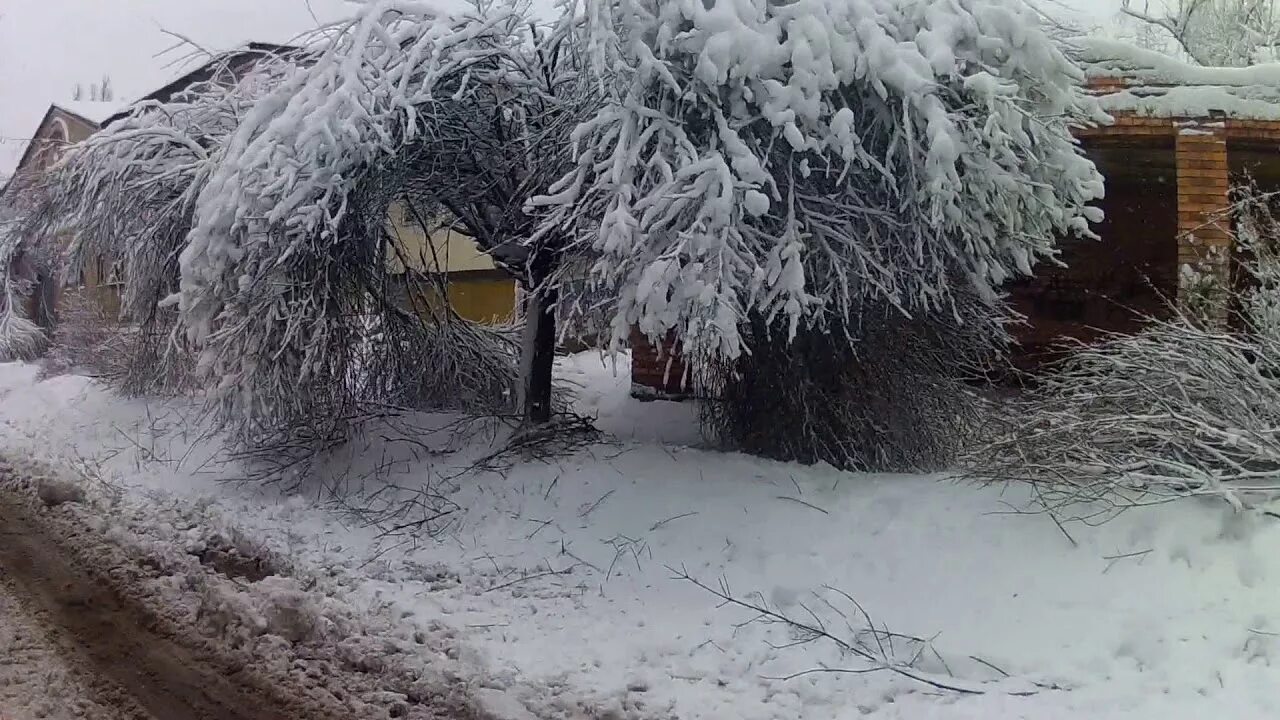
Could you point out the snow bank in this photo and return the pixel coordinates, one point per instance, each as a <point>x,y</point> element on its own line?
<point>1162,86</point>
<point>556,577</point>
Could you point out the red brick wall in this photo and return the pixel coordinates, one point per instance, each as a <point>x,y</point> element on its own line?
<point>1107,284</point>
<point>656,372</point>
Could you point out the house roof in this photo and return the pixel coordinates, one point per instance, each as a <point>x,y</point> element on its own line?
<point>55,110</point>
<point>1129,79</point>
<point>91,111</point>
<point>97,115</point>
<point>203,73</point>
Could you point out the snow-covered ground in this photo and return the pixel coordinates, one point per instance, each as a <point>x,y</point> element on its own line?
<point>556,578</point>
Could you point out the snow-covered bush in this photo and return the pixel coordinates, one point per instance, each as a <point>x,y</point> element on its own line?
<point>1182,408</point>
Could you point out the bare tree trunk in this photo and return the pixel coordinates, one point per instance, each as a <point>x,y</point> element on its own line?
<point>539,354</point>
<point>46,303</point>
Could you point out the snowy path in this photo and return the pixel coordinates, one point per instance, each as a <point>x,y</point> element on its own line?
<point>550,594</point>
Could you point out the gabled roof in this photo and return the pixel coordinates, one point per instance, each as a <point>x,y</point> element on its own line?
<point>54,112</point>
<point>93,111</point>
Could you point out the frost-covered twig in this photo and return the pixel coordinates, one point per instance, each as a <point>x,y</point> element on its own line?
<point>874,646</point>
<point>1181,409</point>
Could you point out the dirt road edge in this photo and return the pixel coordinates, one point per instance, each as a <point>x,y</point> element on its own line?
<point>202,660</point>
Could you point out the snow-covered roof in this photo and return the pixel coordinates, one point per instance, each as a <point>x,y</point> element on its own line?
<point>194,74</point>
<point>93,111</point>
<point>1156,85</point>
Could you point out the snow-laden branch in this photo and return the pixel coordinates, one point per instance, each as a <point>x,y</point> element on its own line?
<point>126,197</point>
<point>286,174</point>
<point>20,338</point>
<point>798,160</point>
<point>128,192</point>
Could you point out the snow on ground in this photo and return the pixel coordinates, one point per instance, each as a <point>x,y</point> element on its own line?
<point>556,577</point>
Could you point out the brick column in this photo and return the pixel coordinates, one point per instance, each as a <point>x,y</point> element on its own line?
<point>1204,240</point>
<point>657,372</point>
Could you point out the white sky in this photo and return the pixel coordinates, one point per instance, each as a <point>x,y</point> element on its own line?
<point>48,46</point>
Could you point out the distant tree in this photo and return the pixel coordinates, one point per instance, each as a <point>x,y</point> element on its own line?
<point>1233,33</point>
<point>98,92</point>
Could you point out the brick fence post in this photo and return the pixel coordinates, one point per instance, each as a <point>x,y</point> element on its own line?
<point>1204,237</point>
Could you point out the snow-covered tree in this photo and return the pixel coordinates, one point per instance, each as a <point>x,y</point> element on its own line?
<point>797,167</point>
<point>1231,33</point>
<point>126,197</point>
<point>457,116</point>
<point>799,159</point>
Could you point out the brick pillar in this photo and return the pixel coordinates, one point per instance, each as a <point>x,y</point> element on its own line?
<point>1204,240</point>
<point>657,372</point>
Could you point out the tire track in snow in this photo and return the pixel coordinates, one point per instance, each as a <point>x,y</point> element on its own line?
<point>112,645</point>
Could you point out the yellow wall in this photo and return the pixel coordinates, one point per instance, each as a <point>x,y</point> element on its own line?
<point>486,301</point>
<point>482,297</point>
<point>478,290</point>
<point>455,251</point>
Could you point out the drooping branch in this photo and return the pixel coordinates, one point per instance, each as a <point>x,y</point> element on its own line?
<point>461,116</point>
<point>906,163</point>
